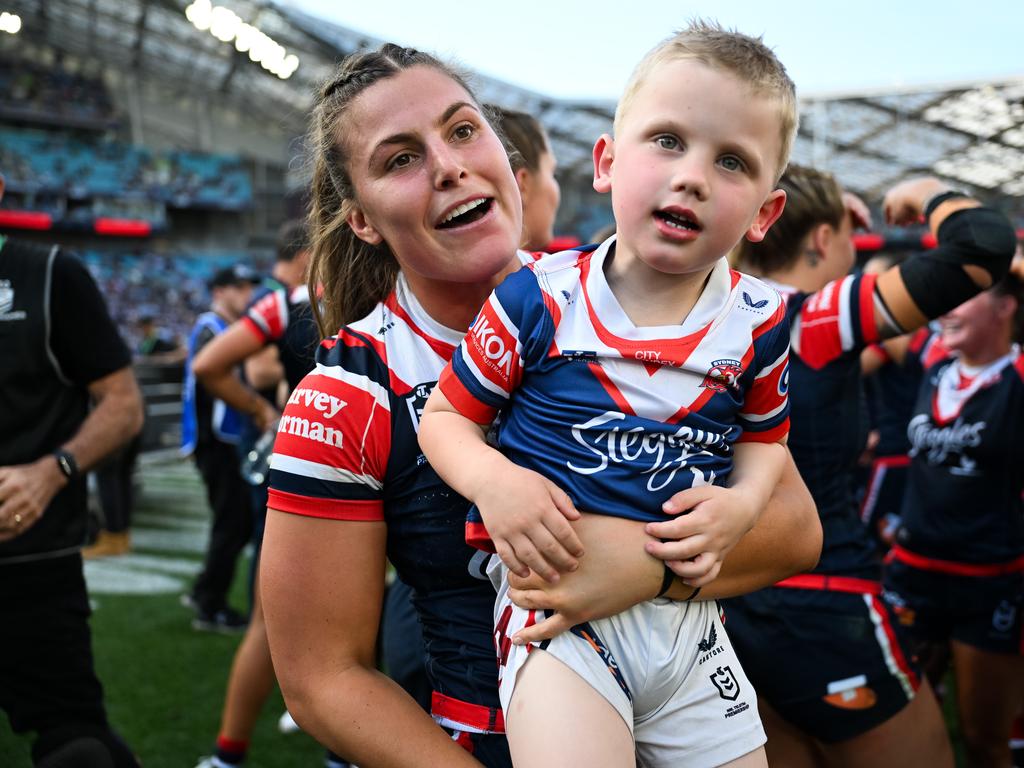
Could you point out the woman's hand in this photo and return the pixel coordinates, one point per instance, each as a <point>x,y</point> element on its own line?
<point>904,203</point>
<point>527,517</point>
<point>615,575</point>
<point>716,520</point>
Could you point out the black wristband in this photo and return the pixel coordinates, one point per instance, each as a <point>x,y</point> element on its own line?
<point>67,464</point>
<point>936,200</point>
<point>666,580</point>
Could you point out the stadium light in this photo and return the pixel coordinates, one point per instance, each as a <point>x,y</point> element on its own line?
<point>228,27</point>
<point>10,23</point>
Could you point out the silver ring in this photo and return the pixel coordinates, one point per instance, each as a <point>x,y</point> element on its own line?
<point>17,519</point>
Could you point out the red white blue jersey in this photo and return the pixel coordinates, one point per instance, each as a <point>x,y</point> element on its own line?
<point>621,417</point>
<point>286,319</point>
<point>346,449</point>
<point>963,504</point>
<point>829,330</point>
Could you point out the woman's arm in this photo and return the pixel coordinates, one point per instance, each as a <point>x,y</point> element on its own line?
<point>215,366</point>
<point>617,573</point>
<point>973,253</point>
<point>322,584</point>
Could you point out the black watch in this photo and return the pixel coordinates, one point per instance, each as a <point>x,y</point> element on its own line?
<point>67,464</point>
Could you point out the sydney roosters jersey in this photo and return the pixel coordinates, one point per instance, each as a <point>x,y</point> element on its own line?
<point>286,319</point>
<point>622,417</point>
<point>829,330</point>
<point>346,449</point>
<point>963,501</point>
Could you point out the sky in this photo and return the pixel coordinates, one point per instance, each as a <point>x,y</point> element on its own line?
<point>575,49</point>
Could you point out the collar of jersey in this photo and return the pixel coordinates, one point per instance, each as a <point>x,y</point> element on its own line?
<point>714,299</point>
<point>428,325</point>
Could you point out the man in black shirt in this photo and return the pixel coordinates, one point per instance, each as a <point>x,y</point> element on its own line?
<point>59,350</point>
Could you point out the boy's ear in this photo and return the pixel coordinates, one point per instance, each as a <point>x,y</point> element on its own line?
<point>604,156</point>
<point>362,227</point>
<point>767,215</point>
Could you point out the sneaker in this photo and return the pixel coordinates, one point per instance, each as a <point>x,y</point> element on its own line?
<point>212,761</point>
<point>227,621</point>
<point>286,723</point>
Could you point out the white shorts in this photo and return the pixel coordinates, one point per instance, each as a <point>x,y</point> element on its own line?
<point>667,667</point>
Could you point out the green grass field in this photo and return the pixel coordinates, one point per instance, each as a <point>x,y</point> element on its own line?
<point>164,681</point>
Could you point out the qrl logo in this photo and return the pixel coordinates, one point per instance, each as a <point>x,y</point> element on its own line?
<point>723,375</point>
<point>492,345</point>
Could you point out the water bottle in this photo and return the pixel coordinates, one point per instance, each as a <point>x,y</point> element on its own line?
<point>256,466</point>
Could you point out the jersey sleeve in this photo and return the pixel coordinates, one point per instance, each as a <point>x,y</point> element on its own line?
<point>765,413</point>
<point>334,436</point>
<point>505,337</point>
<point>267,317</point>
<point>838,319</point>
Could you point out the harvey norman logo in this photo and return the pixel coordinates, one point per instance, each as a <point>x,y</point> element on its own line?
<point>321,402</point>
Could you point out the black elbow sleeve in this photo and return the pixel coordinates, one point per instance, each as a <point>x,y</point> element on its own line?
<point>977,237</point>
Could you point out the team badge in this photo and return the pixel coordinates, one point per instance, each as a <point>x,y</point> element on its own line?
<point>725,682</point>
<point>723,375</point>
<point>417,401</point>
<point>6,297</point>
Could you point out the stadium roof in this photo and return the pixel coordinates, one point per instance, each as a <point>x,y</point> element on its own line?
<point>969,133</point>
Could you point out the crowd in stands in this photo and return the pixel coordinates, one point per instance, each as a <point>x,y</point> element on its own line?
<point>31,90</point>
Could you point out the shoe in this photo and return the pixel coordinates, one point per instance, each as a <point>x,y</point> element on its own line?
<point>188,601</point>
<point>108,544</point>
<point>212,761</point>
<point>226,620</point>
<point>286,723</point>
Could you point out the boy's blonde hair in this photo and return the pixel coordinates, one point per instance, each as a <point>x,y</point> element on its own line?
<point>745,57</point>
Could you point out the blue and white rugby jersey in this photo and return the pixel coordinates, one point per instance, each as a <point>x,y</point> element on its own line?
<point>620,417</point>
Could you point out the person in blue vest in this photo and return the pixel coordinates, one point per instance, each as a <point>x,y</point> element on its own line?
<point>210,432</point>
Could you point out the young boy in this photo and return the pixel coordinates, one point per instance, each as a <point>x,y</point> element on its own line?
<point>625,373</point>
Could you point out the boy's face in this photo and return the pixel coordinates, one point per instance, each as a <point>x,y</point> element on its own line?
<point>692,169</point>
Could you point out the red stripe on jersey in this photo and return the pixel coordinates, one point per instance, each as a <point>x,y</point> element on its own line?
<point>831,584</point>
<point>361,510</point>
<point>442,348</point>
<point>478,537</point>
<point>952,567</point>
<point>773,435</point>
<point>766,394</point>
<point>696,405</point>
<point>269,310</point>
<point>918,339</point>
<point>611,389</point>
<point>472,715</point>
<point>491,345</point>
<point>934,351</point>
<point>253,327</point>
<point>675,350</point>
<point>820,339</point>
<point>463,400</point>
<point>894,643</point>
<point>552,307</point>
<point>867,309</point>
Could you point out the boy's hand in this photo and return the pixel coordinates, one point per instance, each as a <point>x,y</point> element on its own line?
<point>527,516</point>
<point>718,518</point>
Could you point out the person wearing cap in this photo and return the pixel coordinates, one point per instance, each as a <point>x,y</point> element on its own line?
<point>210,432</point>
<point>59,351</point>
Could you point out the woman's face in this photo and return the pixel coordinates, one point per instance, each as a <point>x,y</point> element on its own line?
<point>541,196</point>
<point>974,324</point>
<point>431,178</point>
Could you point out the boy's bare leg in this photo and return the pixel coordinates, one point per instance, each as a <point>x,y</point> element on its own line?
<point>556,718</point>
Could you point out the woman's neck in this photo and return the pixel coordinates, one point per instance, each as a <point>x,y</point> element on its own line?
<point>986,351</point>
<point>454,305</point>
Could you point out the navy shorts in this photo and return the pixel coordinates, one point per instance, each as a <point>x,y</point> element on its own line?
<point>980,611</point>
<point>833,663</point>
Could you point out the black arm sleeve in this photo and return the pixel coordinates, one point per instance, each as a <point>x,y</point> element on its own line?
<point>979,237</point>
<point>83,338</point>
